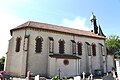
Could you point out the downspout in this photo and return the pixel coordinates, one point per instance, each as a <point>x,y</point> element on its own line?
<point>106,56</point>
<point>91,61</point>
<point>76,68</point>
<point>26,50</point>
<point>48,60</point>
<point>27,54</point>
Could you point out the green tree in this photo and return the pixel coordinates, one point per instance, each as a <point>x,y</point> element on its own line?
<point>113,44</point>
<point>2,60</point>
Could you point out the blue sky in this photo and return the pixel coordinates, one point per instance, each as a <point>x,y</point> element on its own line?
<point>71,13</point>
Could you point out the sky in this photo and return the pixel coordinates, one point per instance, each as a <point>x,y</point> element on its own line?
<point>68,13</point>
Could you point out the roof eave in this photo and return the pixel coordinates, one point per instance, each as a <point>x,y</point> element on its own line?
<point>11,31</point>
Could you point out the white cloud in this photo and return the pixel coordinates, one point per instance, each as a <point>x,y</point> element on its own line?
<point>7,22</point>
<point>77,23</point>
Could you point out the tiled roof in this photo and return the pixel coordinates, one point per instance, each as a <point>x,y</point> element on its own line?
<point>38,25</point>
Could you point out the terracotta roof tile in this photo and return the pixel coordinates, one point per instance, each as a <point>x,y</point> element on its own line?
<point>39,25</point>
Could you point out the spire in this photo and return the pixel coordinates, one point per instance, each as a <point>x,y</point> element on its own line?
<point>100,31</point>
<point>93,24</point>
<point>93,17</point>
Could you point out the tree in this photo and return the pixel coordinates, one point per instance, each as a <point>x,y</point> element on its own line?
<point>113,45</point>
<point>2,60</point>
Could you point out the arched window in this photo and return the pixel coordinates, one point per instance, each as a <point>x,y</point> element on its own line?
<point>102,49</point>
<point>38,48</point>
<point>51,44</point>
<point>18,41</point>
<point>73,46</point>
<point>61,46</point>
<point>79,46</point>
<point>93,49</point>
<point>88,48</point>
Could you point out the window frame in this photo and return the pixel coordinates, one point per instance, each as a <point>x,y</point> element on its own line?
<point>102,49</point>
<point>93,49</point>
<point>18,43</point>
<point>88,49</point>
<point>51,44</point>
<point>61,46</point>
<point>73,47</point>
<point>38,44</point>
<point>79,48</point>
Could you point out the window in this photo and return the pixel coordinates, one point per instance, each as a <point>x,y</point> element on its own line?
<point>88,48</point>
<point>66,62</point>
<point>93,49</point>
<point>18,40</point>
<point>26,41</point>
<point>61,46</point>
<point>79,46</point>
<point>38,48</point>
<point>73,46</point>
<point>51,44</point>
<point>102,49</point>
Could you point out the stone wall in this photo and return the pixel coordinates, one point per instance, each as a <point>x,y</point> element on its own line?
<point>38,62</point>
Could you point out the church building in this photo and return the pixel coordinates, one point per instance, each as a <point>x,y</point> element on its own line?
<point>50,50</point>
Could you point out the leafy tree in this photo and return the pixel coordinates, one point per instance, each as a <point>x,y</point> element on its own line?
<point>113,45</point>
<point>2,60</point>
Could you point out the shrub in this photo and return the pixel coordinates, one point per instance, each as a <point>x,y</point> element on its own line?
<point>55,78</point>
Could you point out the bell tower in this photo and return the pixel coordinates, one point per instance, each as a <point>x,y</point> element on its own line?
<point>94,27</point>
